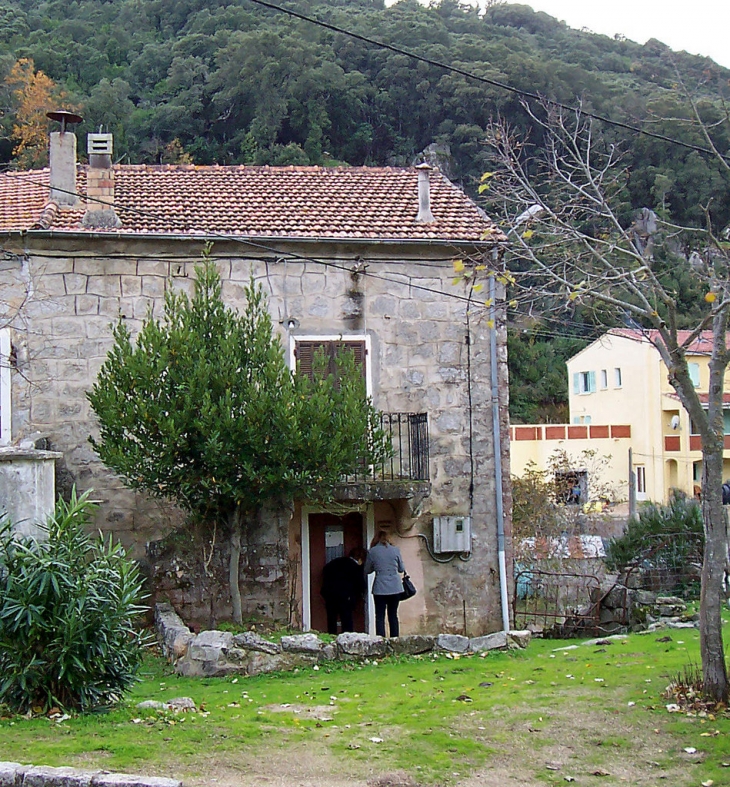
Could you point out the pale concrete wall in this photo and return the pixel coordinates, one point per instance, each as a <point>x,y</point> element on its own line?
<point>418,361</point>
<point>27,488</point>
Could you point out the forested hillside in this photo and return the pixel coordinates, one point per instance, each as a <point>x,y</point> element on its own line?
<point>228,81</point>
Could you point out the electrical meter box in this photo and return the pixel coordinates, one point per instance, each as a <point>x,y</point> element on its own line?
<point>451,534</point>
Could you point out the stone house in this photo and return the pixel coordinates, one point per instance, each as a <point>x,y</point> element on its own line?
<point>360,256</point>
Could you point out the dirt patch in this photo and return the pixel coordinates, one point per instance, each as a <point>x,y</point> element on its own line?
<point>318,712</point>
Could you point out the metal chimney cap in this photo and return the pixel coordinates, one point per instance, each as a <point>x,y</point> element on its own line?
<point>64,117</point>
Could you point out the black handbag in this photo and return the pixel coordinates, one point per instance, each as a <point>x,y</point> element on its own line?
<point>409,589</point>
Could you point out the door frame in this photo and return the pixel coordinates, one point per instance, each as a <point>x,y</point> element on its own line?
<point>368,516</point>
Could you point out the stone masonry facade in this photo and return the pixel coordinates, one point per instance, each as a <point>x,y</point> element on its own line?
<point>62,295</point>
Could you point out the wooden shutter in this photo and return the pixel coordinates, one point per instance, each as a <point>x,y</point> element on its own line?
<point>305,352</point>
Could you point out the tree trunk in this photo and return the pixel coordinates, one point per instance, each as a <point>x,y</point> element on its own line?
<point>714,670</point>
<point>233,566</point>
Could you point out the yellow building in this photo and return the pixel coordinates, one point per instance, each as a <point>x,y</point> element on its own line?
<point>620,378</point>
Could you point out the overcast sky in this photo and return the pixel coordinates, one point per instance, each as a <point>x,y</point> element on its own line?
<point>701,27</point>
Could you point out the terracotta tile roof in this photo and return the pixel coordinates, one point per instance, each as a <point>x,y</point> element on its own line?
<point>702,345</point>
<point>378,203</point>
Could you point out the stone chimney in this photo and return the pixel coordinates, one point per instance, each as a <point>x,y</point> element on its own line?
<point>62,160</point>
<point>100,213</point>
<point>424,195</point>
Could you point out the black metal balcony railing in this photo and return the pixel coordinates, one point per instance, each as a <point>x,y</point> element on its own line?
<point>408,461</point>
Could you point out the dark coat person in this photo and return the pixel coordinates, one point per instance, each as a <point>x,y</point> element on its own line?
<point>343,584</point>
<point>385,560</point>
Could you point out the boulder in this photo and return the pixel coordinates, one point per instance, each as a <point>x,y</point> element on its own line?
<point>11,774</point>
<point>250,640</point>
<point>453,643</point>
<point>209,645</point>
<point>352,643</point>
<point>411,644</point>
<point>302,643</point>
<point>173,634</point>
<point>644,598</point>
<point>130,780</point>
<point>519,638</point>
<point>328,652</point>
<point>671,600</point>
<point>488,642</point>
<point>45,776</point>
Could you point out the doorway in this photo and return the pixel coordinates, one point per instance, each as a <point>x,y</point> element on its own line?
<point>332,536</point>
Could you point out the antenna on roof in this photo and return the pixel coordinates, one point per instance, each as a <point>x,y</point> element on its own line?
<point>65,118</point>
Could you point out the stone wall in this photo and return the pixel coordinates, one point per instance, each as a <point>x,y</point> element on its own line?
<point>419,360</point>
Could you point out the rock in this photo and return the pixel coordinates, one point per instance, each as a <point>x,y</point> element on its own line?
<point>520,638</point>
<point>411,644</point>
<point>250,640</point>
<point>682,624</point>
<point>150,705</point>
<point>670,610</point>
<point>129,780</point>
<point>11,774</point>
<point>180,704</point>
<point>209,645</point>
<point>451,643</point>
<point>672,600</point>
<point>604,640</point>
<point>488,642</point>
<point>328,653</point>
<point>259,663</point>
<point>302,643</point>
<point>644,598</point>
<point>173,634</point>
<point>44,776</point>
<point>352,643</point>
<point>616,598</point>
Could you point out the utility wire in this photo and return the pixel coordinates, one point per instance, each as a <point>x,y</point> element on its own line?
<point>262,246</point>
<point>486,80</point>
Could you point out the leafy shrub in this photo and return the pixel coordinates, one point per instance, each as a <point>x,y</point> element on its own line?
<point>67,608</point>
<point>670,536</point>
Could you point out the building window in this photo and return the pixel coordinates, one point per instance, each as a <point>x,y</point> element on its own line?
<point>5,368</point>
<point>617,377</point>
<point>584,382</point>
<point>304,350</point>
<point>641,481</point>
<point>604,379</point>
<point>694,374</point>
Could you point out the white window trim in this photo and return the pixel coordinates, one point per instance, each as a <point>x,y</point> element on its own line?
<point>336,337</point>
<point>5,394</point>
<point>368,512</point>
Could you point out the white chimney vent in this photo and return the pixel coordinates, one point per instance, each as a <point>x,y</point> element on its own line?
<point>424,194</point>
<point>99,144</point>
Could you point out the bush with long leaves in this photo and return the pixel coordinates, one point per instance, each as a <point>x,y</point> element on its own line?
<point>67,612</point>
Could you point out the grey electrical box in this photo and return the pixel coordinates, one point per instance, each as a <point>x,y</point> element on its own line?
<point>451,534</point>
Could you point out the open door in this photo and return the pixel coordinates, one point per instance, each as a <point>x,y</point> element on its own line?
<point>332,536</point>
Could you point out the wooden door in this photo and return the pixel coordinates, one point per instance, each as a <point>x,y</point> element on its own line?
<point>331,536</point>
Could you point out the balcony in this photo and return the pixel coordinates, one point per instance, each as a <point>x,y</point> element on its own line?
<point>405,474</point>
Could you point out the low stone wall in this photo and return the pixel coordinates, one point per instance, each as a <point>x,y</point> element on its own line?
<point>13,774</point>
<point>219,653</point>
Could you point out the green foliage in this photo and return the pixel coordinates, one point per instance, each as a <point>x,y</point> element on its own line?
<point>202,409</point>
<point>67,608</point>
<point>669,536</point>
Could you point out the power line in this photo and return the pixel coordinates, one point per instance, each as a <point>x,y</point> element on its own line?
<point>262,246</point>
<point>486,80</point>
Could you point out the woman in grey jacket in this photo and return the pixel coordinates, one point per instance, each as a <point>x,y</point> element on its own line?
<point>386,561</point>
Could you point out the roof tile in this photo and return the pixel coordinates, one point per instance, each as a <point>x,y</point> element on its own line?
<point>267,202</point>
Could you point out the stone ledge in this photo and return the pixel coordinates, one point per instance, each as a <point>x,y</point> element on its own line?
<point>13,774</point>
<point>218,653</point>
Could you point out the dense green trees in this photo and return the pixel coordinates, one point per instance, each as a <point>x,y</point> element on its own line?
<point>226,81</point>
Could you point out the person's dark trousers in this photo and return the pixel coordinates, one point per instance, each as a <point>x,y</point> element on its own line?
<point>391,604</point>
<point>343,610</point>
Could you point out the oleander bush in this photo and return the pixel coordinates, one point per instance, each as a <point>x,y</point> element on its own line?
<point>68,608</point>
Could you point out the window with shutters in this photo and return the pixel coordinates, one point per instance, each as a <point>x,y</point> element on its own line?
<point>5,361</point>
<point>304,350</point>
<point>584,382</point>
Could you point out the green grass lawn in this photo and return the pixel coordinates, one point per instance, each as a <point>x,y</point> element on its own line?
<point>592,714</point>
